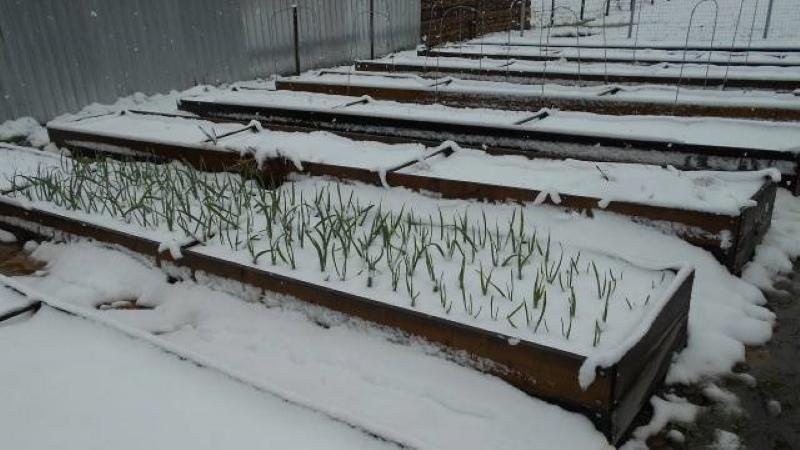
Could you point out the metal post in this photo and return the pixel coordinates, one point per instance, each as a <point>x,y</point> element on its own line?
<point>630,25</point>
<point>296,23</point>
<point>769,19</point>
<point>583,7</point>
<point>608,7</point>
<point>552,12</point>
<point>372,29</point>
<point>522,17</point>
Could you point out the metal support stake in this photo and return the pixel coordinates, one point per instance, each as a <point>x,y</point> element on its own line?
<point>608,7</point>
<point>372,29</point>
<point>769,19</point>
<point>522,17</point>
<point>583,7</point>
<point>296,23</point>
<point>630,25</point>
<point>552,12</point>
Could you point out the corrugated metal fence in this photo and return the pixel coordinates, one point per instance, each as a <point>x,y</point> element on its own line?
<point>58,55</point>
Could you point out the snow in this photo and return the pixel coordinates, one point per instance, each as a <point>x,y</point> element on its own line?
<point>7,238</point>
<point>24,161</point>
<point>780,246</point>
<point>316,147</point>
<point>11,300</point>
<point>666,410</point>
<point>665,23</point>
<point>375,378</point>
<point>156,128</point>
<point>72,384</point>
<point>326,148</point>
<point>25,129</point>
<point>725,440</point>
<point>335,103</point>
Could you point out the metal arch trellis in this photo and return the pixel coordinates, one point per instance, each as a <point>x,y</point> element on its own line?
<point>482,15</point>
<point>686,44</point>
<point>733,43</point>
<point>547,43</point>
<point>386,15</point>
<point>522,4</point>
<point>295,8</point>
<point>752,28</point>
<point>522,17</point>
<point>638,26</point>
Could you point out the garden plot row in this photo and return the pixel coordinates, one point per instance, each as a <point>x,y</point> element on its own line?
<point>502,40</point>
<point>782,79</point>
<point>589,331</point>
<point>682,143</point>
<point>722,212</point>
<point>614,56</point>
<point>612,100</point>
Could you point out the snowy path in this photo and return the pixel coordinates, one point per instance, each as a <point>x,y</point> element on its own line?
<point>373,377</point>
<point>69,383</point>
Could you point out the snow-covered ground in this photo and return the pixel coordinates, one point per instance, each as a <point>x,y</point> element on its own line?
<point>667,21</point>
<point>372,375</point>
<point>351,371</point>
<point>73,384</point>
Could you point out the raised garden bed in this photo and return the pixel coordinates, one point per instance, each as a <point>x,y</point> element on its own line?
<point>503,41</point>
<point>530,72</point>
<point>619,322</point>
<point>614,100</point>
<point>611,56</point>
<point>506,132</point>
<point>727,214</point>
<point>650,195</point>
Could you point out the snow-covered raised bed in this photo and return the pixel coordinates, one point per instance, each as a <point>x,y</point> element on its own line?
<point>534,72</point>
<point>643,56</point>
<point>723,212</point>
<point>707,209</point>
<point>614,100</point>
<point>216,146</point>
<point>587,330</point>
<point>681,142</point>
